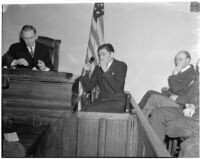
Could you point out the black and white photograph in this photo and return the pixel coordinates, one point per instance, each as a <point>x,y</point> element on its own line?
<point>100,79</point>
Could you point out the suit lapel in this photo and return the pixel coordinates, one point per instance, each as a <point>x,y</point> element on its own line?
<point>36,50</point>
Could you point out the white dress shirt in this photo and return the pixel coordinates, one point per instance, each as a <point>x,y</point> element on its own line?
<point>33,48</point>
<point>185,68</point>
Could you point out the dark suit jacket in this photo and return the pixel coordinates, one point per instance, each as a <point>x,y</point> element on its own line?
<point>111,83</point>
<point>192,97</point>
<point>19,50</point>
<point>183,85</point>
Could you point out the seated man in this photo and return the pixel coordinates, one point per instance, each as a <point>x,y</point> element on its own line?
<point>28,53</point>
<point>180,83</point>
<point>109,75</point>
<point>179,121</point>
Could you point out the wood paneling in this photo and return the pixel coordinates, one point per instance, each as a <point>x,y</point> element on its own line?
<point>37,91</point>
<point>116,138</point>
<point>87,137</point>
<point>101,137</point>
<point>105,134</point>
<point>69,136</point>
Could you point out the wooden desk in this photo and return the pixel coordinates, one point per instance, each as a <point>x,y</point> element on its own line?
<point>29,135</point>
<point>43,97</point>
<point>46,93</point>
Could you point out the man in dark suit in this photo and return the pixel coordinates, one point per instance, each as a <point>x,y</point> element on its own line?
<point>28,53</point>
<point>171,120</point>
<point>180,83</point>
<point>110,76</point>
<point>180,121</point>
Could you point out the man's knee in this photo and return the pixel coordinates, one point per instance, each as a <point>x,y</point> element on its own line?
<point>150,92</point>
<point>156,113</point>
<point>179,128</point>
<point>154,97</point>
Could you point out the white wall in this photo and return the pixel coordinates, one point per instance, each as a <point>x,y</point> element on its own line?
<point>145,35</point>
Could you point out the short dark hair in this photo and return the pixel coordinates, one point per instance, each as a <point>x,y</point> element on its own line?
<point>108,47</point>
<point>28,28</point>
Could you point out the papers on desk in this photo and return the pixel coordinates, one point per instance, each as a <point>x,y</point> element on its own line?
<point>34,69</point>
<point>11,137</point>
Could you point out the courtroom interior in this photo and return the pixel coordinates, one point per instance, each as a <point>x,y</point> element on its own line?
<point>100,80</point>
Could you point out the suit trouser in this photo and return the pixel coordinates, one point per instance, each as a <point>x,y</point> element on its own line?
<point>146,97</point>
<point>156,101</point>
<point>190,147</point>
<point>113,106</point>
<point>171,121</point>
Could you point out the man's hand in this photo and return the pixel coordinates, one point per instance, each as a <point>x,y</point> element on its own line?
<point>173,97</point>
<point>87,67</point>
<point>21,61</point>
<point>42,66</point>
<point>189,110</point>
<point>177,69</point>
<point>104,66</point>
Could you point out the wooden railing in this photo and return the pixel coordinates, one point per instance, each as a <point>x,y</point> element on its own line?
<point>149,145</point>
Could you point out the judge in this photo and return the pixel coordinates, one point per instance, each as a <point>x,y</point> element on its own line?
<point>28,53</point>
<point>110,76</point>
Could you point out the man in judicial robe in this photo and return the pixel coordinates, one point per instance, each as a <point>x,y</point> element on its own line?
<point>180,83</point>
<point>28,53</point>
<point>110,76</point>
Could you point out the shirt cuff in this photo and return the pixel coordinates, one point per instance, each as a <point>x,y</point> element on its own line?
<point>13,63</point>
<point>47,69</point>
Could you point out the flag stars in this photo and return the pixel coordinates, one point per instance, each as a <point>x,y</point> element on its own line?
<point>98,10</point>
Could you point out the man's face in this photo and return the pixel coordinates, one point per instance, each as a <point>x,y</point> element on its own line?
<point>29,37</point>
<point>104,56</point>
<point>181,60</point>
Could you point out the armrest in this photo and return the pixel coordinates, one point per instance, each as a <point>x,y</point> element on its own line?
<point>128,106</point>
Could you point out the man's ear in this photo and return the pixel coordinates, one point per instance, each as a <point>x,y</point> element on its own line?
<point>112,54</point>
<point>36,36</point>
<point>188,60</point>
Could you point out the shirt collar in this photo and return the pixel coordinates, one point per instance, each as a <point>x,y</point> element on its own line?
<point>109,64</point>
<point>29,48</point>
<point>185,68</point>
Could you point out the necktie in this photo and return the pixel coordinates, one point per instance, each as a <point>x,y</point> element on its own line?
<point>31,51</point>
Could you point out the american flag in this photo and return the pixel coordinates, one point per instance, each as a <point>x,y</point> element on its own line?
<point>96,38</point>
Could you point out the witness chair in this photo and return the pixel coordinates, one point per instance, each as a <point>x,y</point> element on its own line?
<point>173,145</point>
<point>88,98</point>
<point>54,49</point>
